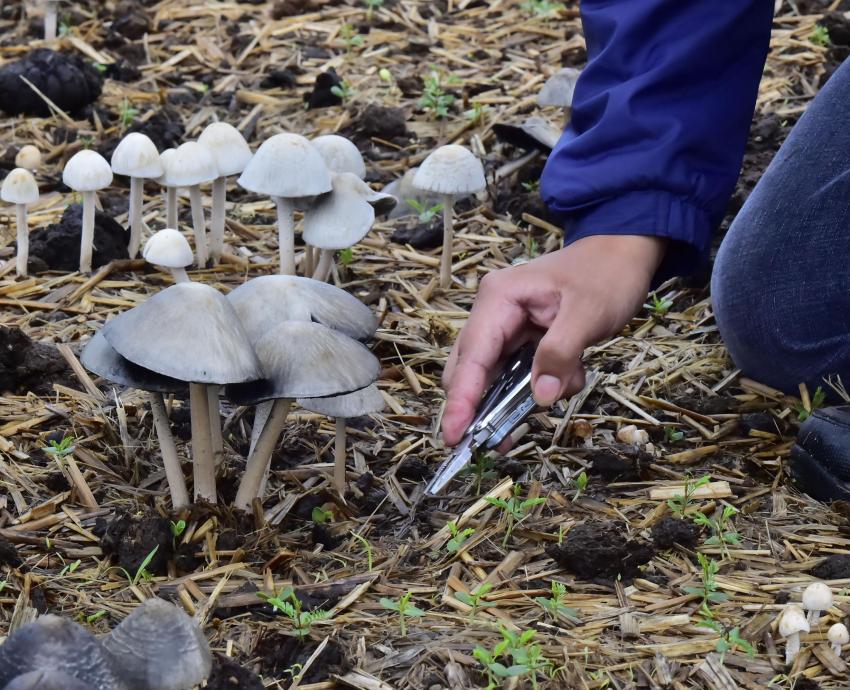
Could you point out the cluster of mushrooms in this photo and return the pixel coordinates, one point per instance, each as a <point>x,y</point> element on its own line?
<point>796,619</point>
<point>157,647</point>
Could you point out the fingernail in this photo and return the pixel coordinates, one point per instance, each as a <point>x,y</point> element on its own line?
<point>546,390</point>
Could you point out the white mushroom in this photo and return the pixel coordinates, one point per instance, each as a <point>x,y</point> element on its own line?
<point>231,153</point>
<point>166,158</point>
<point>817,597</point>
<point>19,188</point>
<point>791,623</point>
<point>558,90</point>
<point>340,154</point>
<point>452,171</point>
<point>29,157</point>
<point>169,249</point>
<point>192,166</point>
<point>137,158</point>
<point>46,679</point>
<point>838,636</point>
<point>288,169</point>
<point>87,172</point>
<point>632,435</point>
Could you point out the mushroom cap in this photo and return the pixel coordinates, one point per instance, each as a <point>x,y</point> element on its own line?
<point>559,88</point>
<point>100,358</point>
<point>793,621</point>
<point>382,202</point>
<point>365,401</point>
<point>168,248</point>
<point>51,642</point>
<point>136,156</point>
<point>188,331</point>
<point>264,302</point>
<point>228,147</point>
<point>159,647</point>
<point>535,134</point>
<point>28,157</point>
<point>340,154</point>
<point>341,218</point>
<point>817,597</point>
<point>46,679</point>
<point>307,360</point>
<point>838,634</point>
<point>166,158</point>
<point>19,187</point>
<point>451,169</point>
<point>191,164</point>
<point>87,171</point>
<point>288,166</point>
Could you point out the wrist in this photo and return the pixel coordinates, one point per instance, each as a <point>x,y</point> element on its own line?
<point>641,252</point>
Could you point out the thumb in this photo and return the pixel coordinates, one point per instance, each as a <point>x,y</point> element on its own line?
<point>557,368</point>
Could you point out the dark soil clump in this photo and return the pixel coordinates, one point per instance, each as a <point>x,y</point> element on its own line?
<point>322,95</point>
<point>671,531</point>
<point>414,469</point>
<point>226,674</point>
<point>9,554</point>
<point>280,652</point>
<point>421,235</point>
<point>27,366</point>
<point>382,122</point>
<point>599,551</point>
<point>130,539</point>
<point>57,246</point>
<point>131,20</point>
<point>834,567</point>
<point>612,468</point>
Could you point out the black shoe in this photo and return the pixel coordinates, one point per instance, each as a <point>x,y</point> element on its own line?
<point>820,459</point>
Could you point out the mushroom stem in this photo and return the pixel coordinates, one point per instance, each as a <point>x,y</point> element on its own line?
<point>836,648</point>
<point>23,254</point>
<point>326,262</point>
<point>215,424</point>
<point>792,647</point>
<point>179,275</point>
<point>812,617</point>
<point>339,455</point>
<point>87,237</point>
<point>309,264</point>
<point>136,194</point>
<point>448,241</point>
<point>261,416</point>
<point>286,235</point>
<point>259,460</point>
<point>198,225</point>
<point>171,208</point>
<point>50,21</point>
<point>219,195</point>
<point>173,471</point>
<point>202,456</point>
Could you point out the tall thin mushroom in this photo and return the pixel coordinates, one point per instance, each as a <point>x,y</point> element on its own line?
<point>192,166</point>
<point>87,172</point>
<point>452,171</point>
<point>171,219</point>
<point>231,154</point>
<point>51,19</point>
<point>19,188</point>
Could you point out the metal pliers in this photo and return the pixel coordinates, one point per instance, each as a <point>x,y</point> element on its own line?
<point>507,403</point>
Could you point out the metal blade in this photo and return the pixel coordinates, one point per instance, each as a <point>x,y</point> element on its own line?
<point>451,467</point>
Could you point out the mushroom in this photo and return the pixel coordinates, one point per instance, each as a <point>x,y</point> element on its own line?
<point>405,193</point>
<point>632,435</point>
<point>452,171</point>
<point>51,642</point>
<point>817,597</point>
<point>287,168</point>
<point>100,358</point>
<point>51,8</point>
<point>301,360</point>
<point>87,172</point>
<point>159,647</point>
<point>46,679</point>
<point>29,157</point>
<point>342,407</point>
<point>340,154</point>
<point>535,134</point>
<point>169,249</point>
<point>838,636</point>
<point>791,624</point>
<point>137,158</point>
<point>231,154</point>
<point>19,188</point>
<point>192,165</point>
<point>166,157</point>
<point>190,332</point>
<point>558,90</point>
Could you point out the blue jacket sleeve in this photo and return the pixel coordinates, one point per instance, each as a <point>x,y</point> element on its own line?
<point>660,120</point>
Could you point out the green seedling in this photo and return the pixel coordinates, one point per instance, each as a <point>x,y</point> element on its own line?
<point>177,530</point>
<point>426,213</point>
<point>820,36</point>
<point>127,114</point>
<point>70,568</point>
<point>93,618</point>
<point>515,510</point>
<point>474,598</point>
<point>404,609</point>
<point>62,448</point>
<point>346,256</point>
<point>2,586</point>
<point>287,603</point>
<point>542,8</point>
<point>680,503</point>
<point>351,38</point>
<point>672,435</point>
<point>435,100</point>
<point>532,248</point>
<point>482,466</point>
<point>707,590</point>
<point>371,6</point>
<point>816,402</point>
<point>385,75</point>
<point>65,28</point>
<point>532,186</point>
<point>658,306</point>
<point>554,604</point>
<point>294,670</point>
<point>321,516</point>
<point>342,91</point>
<point>142,573</point>
<point>580,484</point>
<point>524,658</point>
<point>459,537</point>
<point>723,531</point>
<point>366,547</point>
<point>100,67</point>
<point>730,639</point>
<point>476,114</point>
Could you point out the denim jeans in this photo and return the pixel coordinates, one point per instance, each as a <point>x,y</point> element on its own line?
<point>781,282</point>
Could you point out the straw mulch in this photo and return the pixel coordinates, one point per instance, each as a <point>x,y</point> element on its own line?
<point>668,372</point>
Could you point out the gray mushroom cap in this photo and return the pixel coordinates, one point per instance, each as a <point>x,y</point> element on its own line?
<point>451,169</point>
<point>342,218</point>
<point>308,360</point>
<point>159,647</point>
<point>100,358</point>
<point>559,88</point>
<point>365,401</point>
<point>535,133</point>
<point>52,642</point>
<point>47,679</point>
<point>288,166</point>
<point>263,302</point>
<point>340,154</point>
<point>188,331</point>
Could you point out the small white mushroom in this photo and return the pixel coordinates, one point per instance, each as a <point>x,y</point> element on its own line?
<point>87,172</point>
<point>137,158</point>
<point>817,597</point>
<point>838,636</point>
<point>452,171</point>
<point>29,158</point>
<point>19,188</point>
<point>791,623</point>
<point>632,435</point>
<point>231,153</point>
<point>192,166</point>
<point>169,249</point>
<point>340,154</point>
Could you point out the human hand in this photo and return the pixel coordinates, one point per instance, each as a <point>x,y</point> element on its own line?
<point>568,299</point>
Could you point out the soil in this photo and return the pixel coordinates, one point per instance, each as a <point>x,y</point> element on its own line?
<point>671,531</point>
<point>833,567</point>
<point>164,128</point>
<point>130,20</point>
<point>30,366</point>
<point>415,469</point>
<point>278,653</point>
<point>598,551</point>
<point>382,122</point>
<point>57,247</point>
<point>612,468</point>
<point>420,235</point>
<point>130,538</point>
<point>228,675</point>
<point>9,554</point>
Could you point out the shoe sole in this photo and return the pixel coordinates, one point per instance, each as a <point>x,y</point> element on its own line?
<point>813,478</point>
